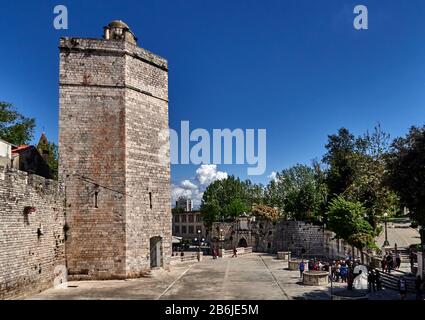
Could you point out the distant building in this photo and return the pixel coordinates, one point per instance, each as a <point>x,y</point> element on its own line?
<point>185,204</point>
<point>187,224</point>
<point>5,153</point>
<point>23,158</point>
<point>28,159</point>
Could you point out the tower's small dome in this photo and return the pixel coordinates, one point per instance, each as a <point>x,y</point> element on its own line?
<point>119,30</point>
<point>118,24</point>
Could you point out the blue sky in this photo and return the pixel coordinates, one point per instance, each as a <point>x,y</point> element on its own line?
<point>296,68</point>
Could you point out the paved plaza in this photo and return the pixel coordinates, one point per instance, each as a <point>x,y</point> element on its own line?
<point>253,276</point>
<point>250,277</point>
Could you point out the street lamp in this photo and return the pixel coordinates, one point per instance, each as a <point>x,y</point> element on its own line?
<point>221,239</point>
<point>386,243</point>
<point>199,243</point>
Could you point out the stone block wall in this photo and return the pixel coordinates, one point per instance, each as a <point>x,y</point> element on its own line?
<point>92,162</point>
<point>268,236</point>
<point>148,208</point>
<point>32,246</point>
<point>300,238</point>
<point>114,158</point>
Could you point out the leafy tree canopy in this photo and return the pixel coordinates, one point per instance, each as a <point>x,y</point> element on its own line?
<point>49,151</point>
<point>406,172</point>
<point>347,220</point>
<point>14,127</point>
<point>356,170</point>
<point>228,198</point>
<point>298,192</point>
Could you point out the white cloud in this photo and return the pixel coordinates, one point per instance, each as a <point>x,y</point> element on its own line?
<point>194,189</point>
<point>207,174</point>
<point>186,184</point>
<point>178,192</point>
<point>273,176</point>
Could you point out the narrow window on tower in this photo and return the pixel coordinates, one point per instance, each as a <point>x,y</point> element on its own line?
<point>96,193</point>
<point>150,200</point>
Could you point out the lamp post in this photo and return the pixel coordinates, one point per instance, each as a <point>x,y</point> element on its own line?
<point>386,243</point>
<point>221,238</point>
<point>199,242</point>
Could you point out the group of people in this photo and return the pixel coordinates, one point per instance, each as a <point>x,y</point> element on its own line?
<point>339,270</point>
<point>345,271</point>
<point>390,262</point>
<point>374,281</point>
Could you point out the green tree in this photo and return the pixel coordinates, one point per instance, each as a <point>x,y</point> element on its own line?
<point>369,185</point>
<point>298,193</point>
<point>224,199</point>
<point>406,173</point>
<point>14,127</point>
<point>49,151</point>
<point>347,220</point>
<point>235,208</point>
<point>342,159</point>
<point>356,170</point>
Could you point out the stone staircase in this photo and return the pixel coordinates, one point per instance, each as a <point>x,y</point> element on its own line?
<point>390,281</point>
<point>404,255</point>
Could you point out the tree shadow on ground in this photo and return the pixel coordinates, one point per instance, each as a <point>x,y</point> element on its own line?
<point>313,295</point>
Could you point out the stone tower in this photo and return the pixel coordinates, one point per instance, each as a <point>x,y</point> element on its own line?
<point>114,155</point>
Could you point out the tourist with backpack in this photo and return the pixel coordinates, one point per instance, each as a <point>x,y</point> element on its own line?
<point>402,287</point>
<point>378,280</point>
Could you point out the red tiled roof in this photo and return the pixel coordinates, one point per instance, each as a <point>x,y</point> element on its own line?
<point>20,148</point>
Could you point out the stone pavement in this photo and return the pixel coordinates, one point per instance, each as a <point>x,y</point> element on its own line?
<point>254,276</point>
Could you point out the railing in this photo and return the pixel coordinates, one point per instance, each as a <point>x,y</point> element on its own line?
<point>192,257</point>
<point>240,251</point>
<point>390,281</point>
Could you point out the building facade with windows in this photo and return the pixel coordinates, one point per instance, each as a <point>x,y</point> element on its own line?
<point>185,204</point>
<point>187,224</point>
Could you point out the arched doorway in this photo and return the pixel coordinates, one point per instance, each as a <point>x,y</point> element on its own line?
<point>242,243</point>
<point>156,252</point>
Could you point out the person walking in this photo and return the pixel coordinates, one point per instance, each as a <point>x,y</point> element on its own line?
<point>311,265</point>
<point>302,268</point>
<point>412,259</point>
<point>235,252</point>
<point>214,253</point>
<point>337,271</point>
<point>383,264</point>
<point>419,288</point>
<point>343,271</point>
<point>402,287</point>
<point>371,281</point>
<point>350,279</point>
<point>389,260</point>
<point>333,270</point>
<point>378,280</point>
<point>398,260</point>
